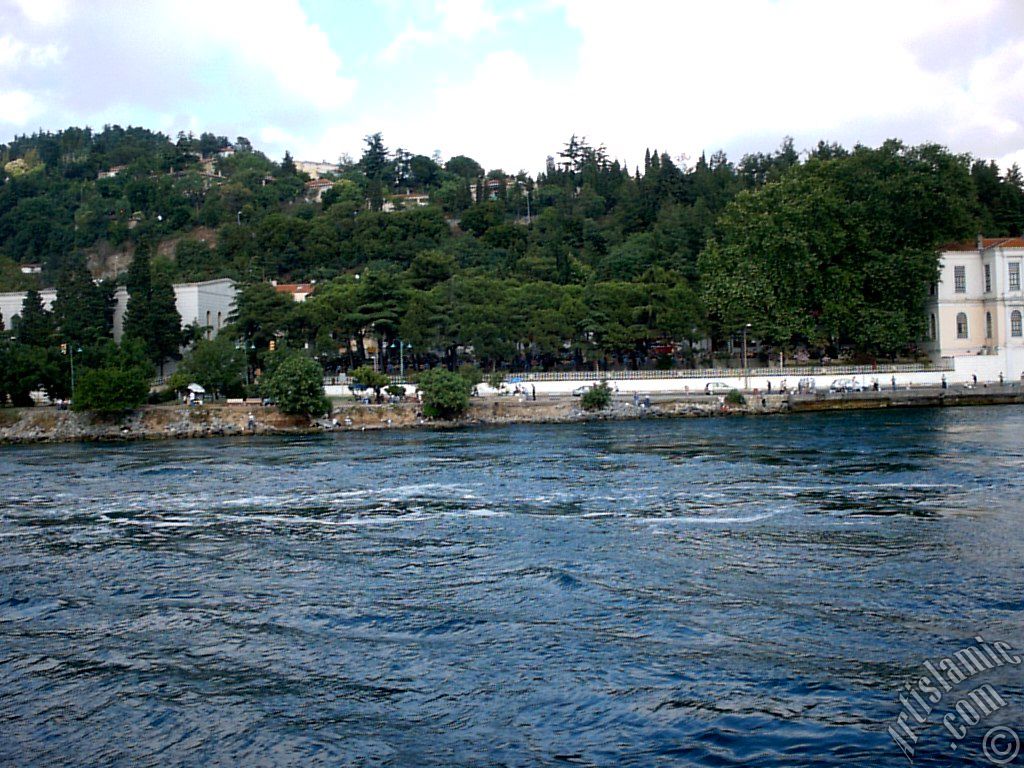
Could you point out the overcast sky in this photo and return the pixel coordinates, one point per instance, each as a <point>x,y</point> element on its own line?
<point>508,82</point>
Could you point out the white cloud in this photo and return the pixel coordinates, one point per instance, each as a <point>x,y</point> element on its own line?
<point>277,39</point>
<point>693,77</point>
<point>497,116</point>
<point>465,19</point>
<point>457,20</point>
<point>408,38</point>
<point>14,52</point>
<point>44,12</point>
<point>18,107</point>
<point>703,76</point>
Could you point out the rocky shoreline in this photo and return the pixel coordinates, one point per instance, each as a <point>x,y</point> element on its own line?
<point>160,422</point>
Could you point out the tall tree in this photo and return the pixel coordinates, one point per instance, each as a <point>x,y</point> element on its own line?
<point>83,310</point>
<point>35,326</point>
<point>151,316</point>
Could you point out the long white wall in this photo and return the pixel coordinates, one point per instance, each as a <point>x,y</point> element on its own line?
<point>986,367</point>
<point>207,303</point>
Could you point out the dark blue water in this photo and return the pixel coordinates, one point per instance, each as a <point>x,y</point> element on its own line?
<point>711,592</point>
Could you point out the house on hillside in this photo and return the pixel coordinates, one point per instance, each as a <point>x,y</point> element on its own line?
<point>314,190</point>
<point>976,308</point>
<point>298,291</point>
<point>316,170</point>
<point>110,172</point>
<point>402,202</point>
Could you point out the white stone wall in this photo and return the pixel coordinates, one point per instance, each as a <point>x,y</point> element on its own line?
<point>208,303</point>
<point>11,304</point>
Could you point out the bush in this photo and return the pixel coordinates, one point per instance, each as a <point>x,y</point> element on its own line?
<point>471,374</point>
<point>396,390</point>
<point>297,386</point>
<point>164,395</point>
<point>496,379</point>
<point>735,397</point>
<point>365,376</point>
<point>597,398</point>
<point>110,390</point>
<point>445,394</point>
<point>216,365</point>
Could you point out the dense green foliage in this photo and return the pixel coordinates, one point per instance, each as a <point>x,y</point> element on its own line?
<point>735,397</point>
<point>296,385</point>
<point>116,380</point>
<point>365,376</point>
<point>839,252</point>
<point>445,394</point>
<point>597,398</point>
<point>217,365</point>
<point>111,390</point>
<point>151,316</point>
<point>590,264</point>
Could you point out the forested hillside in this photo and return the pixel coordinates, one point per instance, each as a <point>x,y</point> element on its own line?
<point>828,250</point>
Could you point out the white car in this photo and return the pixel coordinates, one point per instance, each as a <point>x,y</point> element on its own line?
<point>846,385</point>
<point>717,388</point>
<point>582,390</point>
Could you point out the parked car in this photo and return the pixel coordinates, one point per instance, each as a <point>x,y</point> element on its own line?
<point>717,388</point>
<point>846,385</point>
<point>582,390</point>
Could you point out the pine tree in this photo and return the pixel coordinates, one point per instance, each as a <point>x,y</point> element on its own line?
<point>151,316</point>
<point>35,327</point>
<point>288,165</point>
<point>83,311</point>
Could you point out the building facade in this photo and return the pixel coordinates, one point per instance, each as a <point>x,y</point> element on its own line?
<point>977,306</point>
<point>207,304</point>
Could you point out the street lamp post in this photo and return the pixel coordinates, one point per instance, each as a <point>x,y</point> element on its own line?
<point>746,377</point>
<point>401,357</point>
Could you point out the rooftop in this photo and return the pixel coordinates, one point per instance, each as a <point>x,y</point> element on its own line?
<point>985,242</point>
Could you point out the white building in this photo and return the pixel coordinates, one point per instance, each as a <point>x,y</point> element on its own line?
<point>316,170</point>
<point>975,310</point>
<point>11,304</point>
<point>208,303</point>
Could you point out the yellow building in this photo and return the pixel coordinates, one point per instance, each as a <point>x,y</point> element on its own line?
<point>976,307</point>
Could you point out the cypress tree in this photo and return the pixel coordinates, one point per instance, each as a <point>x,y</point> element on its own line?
<point>151,315</point>
<point>83,310</point>
<point>35,328</point>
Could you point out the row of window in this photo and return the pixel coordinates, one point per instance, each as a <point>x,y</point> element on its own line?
<point>960,278</point>
<point>963,331</point>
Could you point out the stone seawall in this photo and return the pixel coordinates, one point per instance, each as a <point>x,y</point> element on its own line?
<point>47,424</point>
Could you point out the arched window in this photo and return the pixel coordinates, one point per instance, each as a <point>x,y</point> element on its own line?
<point>208,324</point>
<point>931,328</point>
<point>1015,324</point>
<point>961,326</point>
<point>218,320</point>
<point>988,325</point>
